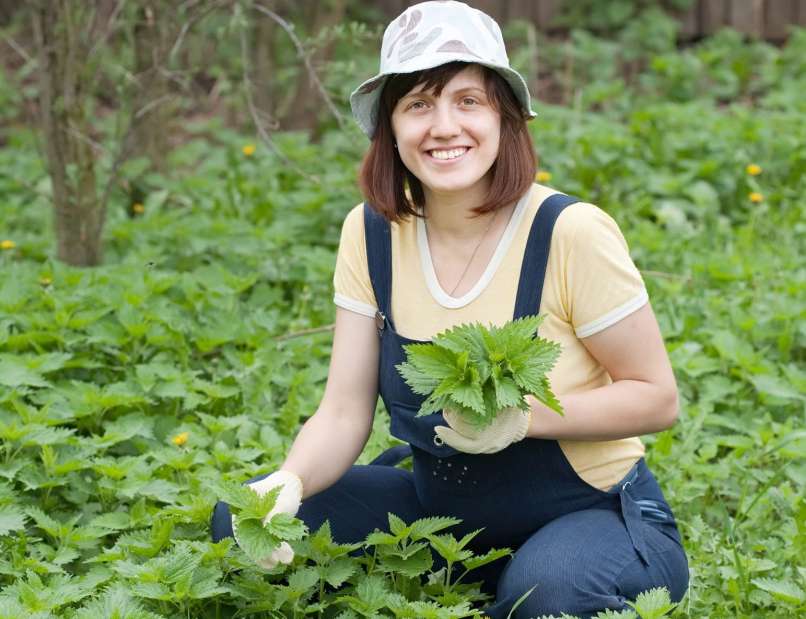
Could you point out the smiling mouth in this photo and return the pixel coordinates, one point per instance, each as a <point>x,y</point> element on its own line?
<point>448,155</point>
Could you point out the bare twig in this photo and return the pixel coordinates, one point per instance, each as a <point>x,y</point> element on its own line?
<point>96,146</point>
<point>151,105</point>
<point>255,113</point>
<point>288,336</point>
<point>17,48</point>
<point>191,22</point>
<point>306,59</point>
<point>109,28</point>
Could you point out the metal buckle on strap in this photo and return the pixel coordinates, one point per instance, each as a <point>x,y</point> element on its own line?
<point>380,321</point>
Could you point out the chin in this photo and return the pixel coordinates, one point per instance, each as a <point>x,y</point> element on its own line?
<point>444,185</point>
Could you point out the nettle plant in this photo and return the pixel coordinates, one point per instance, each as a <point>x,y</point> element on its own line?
<point>479,371</point>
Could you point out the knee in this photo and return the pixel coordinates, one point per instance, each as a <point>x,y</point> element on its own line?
<point>553,593</point>
<point>221,522</point>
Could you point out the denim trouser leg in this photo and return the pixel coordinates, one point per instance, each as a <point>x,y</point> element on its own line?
<point>583,563</point>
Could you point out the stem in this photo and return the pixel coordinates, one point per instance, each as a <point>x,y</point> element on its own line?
<point>372,561</point>
<point>321,596</point>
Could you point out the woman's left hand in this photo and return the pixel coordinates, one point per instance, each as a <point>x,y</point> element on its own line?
<point>509,426</point>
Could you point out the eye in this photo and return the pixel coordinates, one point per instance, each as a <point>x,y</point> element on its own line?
<point>469,100</point>
<point>413,105</point>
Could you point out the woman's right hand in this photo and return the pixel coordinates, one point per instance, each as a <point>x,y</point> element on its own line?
<point>288,502</point>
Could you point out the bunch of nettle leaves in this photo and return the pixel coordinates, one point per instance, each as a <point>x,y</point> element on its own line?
<point>479,371</point>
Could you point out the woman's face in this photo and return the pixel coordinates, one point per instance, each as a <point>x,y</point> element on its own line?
<point>449,142</point>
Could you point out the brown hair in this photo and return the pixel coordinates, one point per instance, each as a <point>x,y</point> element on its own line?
<point>383,176</point>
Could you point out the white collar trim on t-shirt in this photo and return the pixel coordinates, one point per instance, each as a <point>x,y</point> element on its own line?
<point>442,297</point>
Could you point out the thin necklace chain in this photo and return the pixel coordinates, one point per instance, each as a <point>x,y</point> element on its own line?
<point>473,255</point>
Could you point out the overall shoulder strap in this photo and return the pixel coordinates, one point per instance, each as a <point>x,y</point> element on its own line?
<point>379,256</point>
<point>535,258</point>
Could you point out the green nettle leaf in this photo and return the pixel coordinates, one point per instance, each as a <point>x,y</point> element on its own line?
<point>450,548</point>
<point>424,527</point>
<point>479,371</point>
<point>245,502</point>
<point>180,563</point>
<point>653,604</point>
<point>338,571</point>
<point>255,540</point>
<point>413,565</point>
<point>115,603</point>
<point>397,526</point>
<point>14,372</point>
<point>371,595</point>
<point>488,557</point>
<point>303,579</point>
<point>616,614</point>
<point>12,518</point>
<point>784,590</point>
<point>286,526</point>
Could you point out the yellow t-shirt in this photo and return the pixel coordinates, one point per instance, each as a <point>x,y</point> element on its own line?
<point>591,283</point>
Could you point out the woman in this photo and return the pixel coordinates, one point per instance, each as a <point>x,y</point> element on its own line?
<point>453,231</point>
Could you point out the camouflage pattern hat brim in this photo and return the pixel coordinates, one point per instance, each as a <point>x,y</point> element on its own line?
<point>431,34</point>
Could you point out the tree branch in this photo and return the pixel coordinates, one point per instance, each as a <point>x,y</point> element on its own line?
<point>255,113</point>
<point>305,59</point>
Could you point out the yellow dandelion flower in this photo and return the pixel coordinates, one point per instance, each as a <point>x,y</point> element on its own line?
<point>753,169</point>
<point>756,197</point>
<point>7,244</point>
<point>180,439</point>
<point>543,177</point>
<point>45,280</point>
<point>138,208</point>
<point>248,150</point>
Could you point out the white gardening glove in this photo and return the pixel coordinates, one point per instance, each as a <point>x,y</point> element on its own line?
<point>288,501</point>
<point>509,426</point>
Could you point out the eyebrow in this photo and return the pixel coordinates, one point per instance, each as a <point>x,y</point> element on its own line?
<point>420,93</point>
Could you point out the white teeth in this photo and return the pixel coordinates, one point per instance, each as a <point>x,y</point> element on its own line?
<point>448,154</point>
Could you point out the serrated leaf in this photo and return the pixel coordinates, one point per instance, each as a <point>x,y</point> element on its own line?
<point>303,579</point>
<point>615,614</point>
<point>338,571</point>
<point>397,526</point>
<point>255,540</point>
<point>286,527</point>
<point>653,604</point>
<point>180,563</point>
<point>424,527</point>
<point>115,602</point>
<point>413,565</point>
<point>483,371</point>
<point>12,518</point>
<point>469,395</point>
<point>449,548</point>
<point>784,590</point>
<point>488,557</point>
<point>15,372</point>
<point>380,538</point>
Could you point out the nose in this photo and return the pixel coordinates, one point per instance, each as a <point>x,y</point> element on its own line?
<point>445,124</point>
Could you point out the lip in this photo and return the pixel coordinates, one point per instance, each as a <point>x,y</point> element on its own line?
<point>447,161</point>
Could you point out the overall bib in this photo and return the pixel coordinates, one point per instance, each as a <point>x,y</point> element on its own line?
<point>585,549</point>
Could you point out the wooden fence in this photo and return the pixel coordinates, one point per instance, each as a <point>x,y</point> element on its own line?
<point>768,19</point>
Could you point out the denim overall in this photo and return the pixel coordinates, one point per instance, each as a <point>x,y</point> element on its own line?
<point>585,549</point>
<point>518,490</point>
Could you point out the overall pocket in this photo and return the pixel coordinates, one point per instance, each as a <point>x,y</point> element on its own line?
<point>418,431</point>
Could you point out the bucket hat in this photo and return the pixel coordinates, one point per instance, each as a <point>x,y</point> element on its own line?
<point>430,34</point>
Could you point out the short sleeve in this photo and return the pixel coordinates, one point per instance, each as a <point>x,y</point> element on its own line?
<point>603,285</point>
<point>351,283</point>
